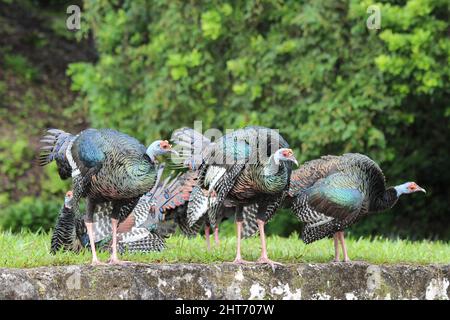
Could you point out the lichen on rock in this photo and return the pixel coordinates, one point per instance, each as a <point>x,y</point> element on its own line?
<point>227,281</point>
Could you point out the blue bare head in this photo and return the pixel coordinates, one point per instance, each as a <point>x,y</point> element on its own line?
<point>159,147</point>
<point>408,187</point>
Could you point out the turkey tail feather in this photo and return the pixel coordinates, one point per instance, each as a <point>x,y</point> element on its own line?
<point>197,206</point>
<point>249,225</point>
<point>53,147</point>
<point>141,240</point>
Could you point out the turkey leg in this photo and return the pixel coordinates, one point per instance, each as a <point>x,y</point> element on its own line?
<point>90,231</point>
<point>114,259</point>
<point>216,235</point>
<point>90,207</point>
<point>208,245</point>
<point>336,247</point>
<point>344,247</point>
<point>238,258</point>
<point>264,258</point>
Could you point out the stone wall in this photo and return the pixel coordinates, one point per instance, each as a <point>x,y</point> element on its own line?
<point>228,281</point>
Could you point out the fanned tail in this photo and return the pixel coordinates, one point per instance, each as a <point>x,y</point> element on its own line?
<point>170,201</point>
<point>53,147</point>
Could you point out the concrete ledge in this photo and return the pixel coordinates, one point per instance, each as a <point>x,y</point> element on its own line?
<point>226,281</point>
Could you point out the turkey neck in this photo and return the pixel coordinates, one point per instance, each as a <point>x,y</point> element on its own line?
<point>385,201</point>
<point>274,177</point>
<point>271,168</point>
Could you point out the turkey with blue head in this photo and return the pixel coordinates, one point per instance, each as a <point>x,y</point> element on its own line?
<point>332,193</point>
<point>245,168</point>
<point>105,166</point>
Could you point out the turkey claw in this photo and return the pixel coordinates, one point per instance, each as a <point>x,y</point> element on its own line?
<point>273,264</point>
<point>118,262</point>
<point>241,261</point>
<point>97,263</point>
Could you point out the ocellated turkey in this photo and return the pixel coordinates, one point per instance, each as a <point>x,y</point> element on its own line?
<point>105,166</point>
<point>245,168</point>
<point>141,226</point>
<point>332,193</point>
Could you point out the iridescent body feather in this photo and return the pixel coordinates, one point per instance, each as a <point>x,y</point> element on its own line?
<point>331,193</point>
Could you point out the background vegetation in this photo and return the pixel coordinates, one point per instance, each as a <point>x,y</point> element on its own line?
<point>310,68</point>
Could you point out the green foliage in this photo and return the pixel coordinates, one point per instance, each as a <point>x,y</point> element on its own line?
<point>52,183</point>
<point>20,65</point>
<point>12,156</point>
<point>35,95</point>
<point>30,213</point>
<point>310,68</point>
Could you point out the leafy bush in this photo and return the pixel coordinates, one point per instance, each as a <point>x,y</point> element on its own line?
<point>20,65</point>
<point>310,68</point>
<point>30,213</point>
<point>12,156</point>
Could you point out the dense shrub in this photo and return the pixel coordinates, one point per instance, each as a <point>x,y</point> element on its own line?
<point>30,213</point>
<point>310,68</point>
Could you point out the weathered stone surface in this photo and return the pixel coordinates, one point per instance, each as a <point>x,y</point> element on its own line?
<point>228,281</point>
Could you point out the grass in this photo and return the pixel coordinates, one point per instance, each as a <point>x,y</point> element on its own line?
<point>27,249</point>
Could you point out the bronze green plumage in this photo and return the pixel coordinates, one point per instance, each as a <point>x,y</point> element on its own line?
<point>248,167</point>
<point>106,165</point>
<point>331,193</point>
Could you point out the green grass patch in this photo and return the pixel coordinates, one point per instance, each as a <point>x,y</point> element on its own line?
<point>26,250</point>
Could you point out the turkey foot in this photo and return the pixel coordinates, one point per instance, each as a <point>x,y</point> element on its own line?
<point>241,261</point>
<point>96,263</point>
<point>117,261</point>
<point>114,256</point>
<point>90,231</point>
<point>264,260</point>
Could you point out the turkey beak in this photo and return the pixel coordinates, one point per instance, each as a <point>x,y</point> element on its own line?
<point>421,189</point>
<point>292,158</point>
